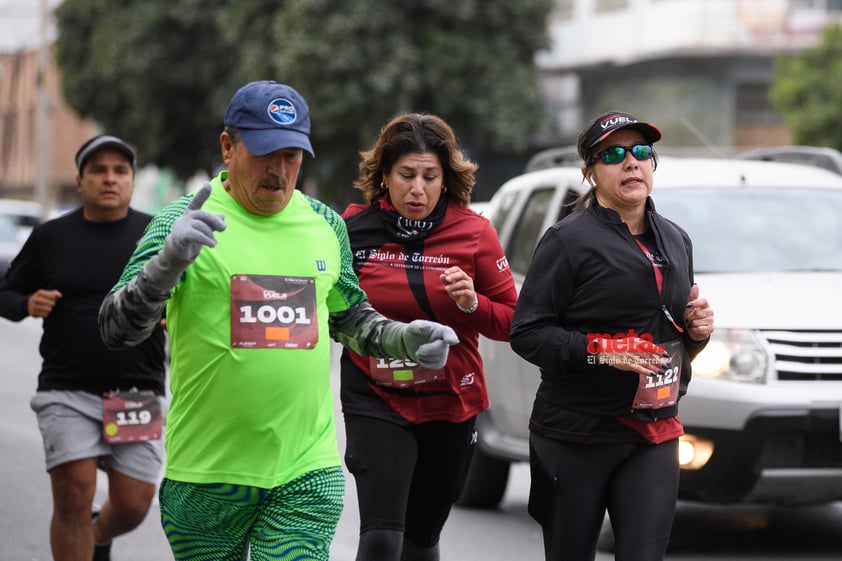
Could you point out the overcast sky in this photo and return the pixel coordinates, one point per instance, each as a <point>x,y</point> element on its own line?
<point>20,24</point>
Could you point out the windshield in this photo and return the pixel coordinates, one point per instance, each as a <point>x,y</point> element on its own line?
<point>756,229</point>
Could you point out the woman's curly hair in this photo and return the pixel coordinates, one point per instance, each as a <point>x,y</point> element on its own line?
<point>416,133</point>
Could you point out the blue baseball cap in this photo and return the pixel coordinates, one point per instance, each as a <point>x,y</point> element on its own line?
<point>270,116</point>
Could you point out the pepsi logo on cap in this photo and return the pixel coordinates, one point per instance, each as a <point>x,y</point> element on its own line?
<point>282,111</point>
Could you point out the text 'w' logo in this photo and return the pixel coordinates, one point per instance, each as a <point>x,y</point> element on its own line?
<point>321,266</point>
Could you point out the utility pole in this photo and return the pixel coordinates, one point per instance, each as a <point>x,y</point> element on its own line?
<point>42,137</point>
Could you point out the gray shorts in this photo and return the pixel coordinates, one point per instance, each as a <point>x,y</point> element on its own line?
<point>71,429</point>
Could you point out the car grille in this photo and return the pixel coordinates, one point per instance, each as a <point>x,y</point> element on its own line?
<point>807,355</point>
<point>802,450</point>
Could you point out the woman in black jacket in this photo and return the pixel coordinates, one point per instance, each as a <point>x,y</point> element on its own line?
<point>611,315</point>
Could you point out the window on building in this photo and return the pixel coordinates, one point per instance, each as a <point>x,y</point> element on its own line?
<point>753,105</point>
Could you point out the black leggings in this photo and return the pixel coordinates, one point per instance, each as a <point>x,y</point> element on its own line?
<point>407,477</point>
<point>573,485</point>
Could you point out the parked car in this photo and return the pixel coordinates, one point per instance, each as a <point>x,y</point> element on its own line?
<point>817,156</point>
<point>9,243</point>
<point>762,414</point>
<point>25,215</point>
<point>553,158</point>
<point>481,207</point>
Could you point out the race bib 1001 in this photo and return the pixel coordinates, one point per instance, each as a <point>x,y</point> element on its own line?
<point>270,311</point>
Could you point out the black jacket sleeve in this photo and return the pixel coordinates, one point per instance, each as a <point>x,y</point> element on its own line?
<point>19,282</point>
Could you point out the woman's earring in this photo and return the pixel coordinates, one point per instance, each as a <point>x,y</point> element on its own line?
<point>444,188</point>
<point>383,186</point>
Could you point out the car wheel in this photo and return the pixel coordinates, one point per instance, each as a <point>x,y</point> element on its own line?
<point>486,482</point>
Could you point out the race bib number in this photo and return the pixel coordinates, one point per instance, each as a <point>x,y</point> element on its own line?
<point>131,416</point>
<point>656,391</point>
<point>401,373</point>
<point>270,311</point>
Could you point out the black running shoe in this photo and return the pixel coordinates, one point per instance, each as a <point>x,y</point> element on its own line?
<point>101,552</point>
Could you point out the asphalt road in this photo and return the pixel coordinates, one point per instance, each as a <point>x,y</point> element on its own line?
<point>701,533</point>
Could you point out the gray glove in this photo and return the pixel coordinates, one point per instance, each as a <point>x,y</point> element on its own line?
<point>422,341</point>
<point>190,232</point>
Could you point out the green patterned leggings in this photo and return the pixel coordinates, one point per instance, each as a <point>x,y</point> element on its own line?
<point>224,522</point>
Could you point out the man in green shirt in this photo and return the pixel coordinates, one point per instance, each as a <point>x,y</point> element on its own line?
<point>252,458</point>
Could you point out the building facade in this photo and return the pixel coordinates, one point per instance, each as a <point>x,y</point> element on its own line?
<point>700,69</point>
<point>20,141</point>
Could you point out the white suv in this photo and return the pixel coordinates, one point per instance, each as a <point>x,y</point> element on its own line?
<point>762,413</point>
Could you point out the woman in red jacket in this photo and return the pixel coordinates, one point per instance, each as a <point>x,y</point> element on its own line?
<point>420,253</point>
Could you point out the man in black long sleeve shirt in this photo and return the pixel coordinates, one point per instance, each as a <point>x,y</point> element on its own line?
<point>62,274</point>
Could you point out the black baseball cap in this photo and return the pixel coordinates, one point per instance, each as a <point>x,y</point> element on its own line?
<point>610,122</point>
<point>104,141</point>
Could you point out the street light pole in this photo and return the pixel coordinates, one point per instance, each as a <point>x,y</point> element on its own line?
<point>42,116</point>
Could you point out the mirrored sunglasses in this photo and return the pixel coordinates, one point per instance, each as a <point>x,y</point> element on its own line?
<point>616,154</point>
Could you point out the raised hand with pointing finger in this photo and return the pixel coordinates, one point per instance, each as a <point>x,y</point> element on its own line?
<point>190,232</point>
<point>194,229</point>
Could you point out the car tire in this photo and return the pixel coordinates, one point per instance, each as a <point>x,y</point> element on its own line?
<point>486,482</point>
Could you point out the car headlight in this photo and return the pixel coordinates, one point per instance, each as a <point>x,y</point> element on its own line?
<point>694,452</point>
<point>739,355</point>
